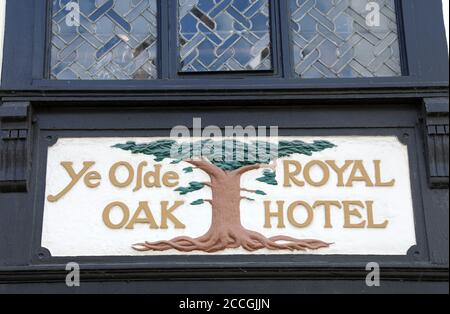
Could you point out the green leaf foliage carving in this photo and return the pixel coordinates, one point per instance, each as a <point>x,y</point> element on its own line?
<point>269,177</point>
<point>193,186</point>
<point>198,202</point>
<point>223,154</point>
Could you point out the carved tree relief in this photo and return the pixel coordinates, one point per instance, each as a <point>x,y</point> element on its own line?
<point>225,171</point>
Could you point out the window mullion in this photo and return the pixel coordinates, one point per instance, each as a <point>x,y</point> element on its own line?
<point>285,44</point>
<point>164,39</point>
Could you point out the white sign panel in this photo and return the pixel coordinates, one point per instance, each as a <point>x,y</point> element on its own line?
<point>131,196</point>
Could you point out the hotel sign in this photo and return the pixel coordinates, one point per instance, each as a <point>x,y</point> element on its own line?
<point>132,196</point>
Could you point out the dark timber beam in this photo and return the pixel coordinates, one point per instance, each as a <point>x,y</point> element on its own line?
<point>436,137</point>
<point>15,147</point>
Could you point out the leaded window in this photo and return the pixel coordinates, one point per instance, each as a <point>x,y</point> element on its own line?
<point>344,38</point>
<point>104,39</point>
<point>224,35</point>
<point>171,39</point>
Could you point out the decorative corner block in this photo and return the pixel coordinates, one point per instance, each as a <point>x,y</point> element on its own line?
<point>436,137</point>
<point>15,146</point>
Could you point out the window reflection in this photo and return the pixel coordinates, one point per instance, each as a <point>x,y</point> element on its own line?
<point>224,35</point>
<point>344,38</point>
<point>104,39</point>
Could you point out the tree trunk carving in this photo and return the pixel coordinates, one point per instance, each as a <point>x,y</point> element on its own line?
<point>226,231</point>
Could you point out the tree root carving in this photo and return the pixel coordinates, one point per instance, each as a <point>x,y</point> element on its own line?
<point>218,241</point>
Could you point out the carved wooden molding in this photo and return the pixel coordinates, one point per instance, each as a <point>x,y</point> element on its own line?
<point>15,146</point>
<point>436,136</point>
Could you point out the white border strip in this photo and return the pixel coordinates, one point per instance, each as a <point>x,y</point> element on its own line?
<point>445,9</point>
<point>2,33</point>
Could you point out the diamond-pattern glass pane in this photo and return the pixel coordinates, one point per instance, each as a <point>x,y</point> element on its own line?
<point>344,38</point>
<point>224,35</point>
<point>104,39</point>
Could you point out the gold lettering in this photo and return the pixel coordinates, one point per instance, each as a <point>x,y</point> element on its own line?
<point>155,175</point>
<point>327,205</point>
<point>170,176</point>
<point>370,218</point>
<point>92,179</point>
<point>75,177</point>
<point>339,170</point>
<point>143,207</point>
<point>378,181</point>
<point>350,212</point>
<point>166,214</point>
<point>113,178</point>
<point>325,172</point>
<point>362,177</point>
<point>107,211</point>
<point>139,176</point>
<point>292,175</point>
<point>278,214</point>
<point>309,218</point>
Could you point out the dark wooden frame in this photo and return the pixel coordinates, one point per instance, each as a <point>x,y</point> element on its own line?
<point>28,41</point>
<point>427,261</point>
<point>328,106</point>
